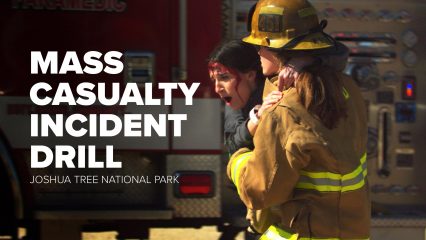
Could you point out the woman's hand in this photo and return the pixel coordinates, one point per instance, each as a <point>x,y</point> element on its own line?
<point>291,71</point>
<point>268,101</point>
<point>272,98</point>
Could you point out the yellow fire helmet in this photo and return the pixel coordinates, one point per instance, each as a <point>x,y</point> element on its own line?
<point>287,24</point>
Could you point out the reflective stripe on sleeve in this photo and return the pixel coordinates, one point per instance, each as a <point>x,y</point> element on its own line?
<point>238,163</point>
<point>332,182</point>
<point>276,233</point>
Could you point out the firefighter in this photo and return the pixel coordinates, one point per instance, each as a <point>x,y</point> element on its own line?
<point>306,176</point>
<point>236,71</point>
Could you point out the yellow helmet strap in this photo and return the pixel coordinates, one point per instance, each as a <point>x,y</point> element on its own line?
<point>250,17</point>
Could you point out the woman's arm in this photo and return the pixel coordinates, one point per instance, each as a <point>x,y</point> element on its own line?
<point>237,135</point>
<point>240,129</point>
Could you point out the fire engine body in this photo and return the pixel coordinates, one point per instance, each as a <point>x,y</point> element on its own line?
<point>161,41</point>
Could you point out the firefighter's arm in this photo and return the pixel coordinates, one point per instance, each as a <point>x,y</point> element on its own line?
<point>267,176</point>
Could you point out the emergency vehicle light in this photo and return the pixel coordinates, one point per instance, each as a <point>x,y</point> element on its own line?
<point>194,184</point>
<point>409,88</point>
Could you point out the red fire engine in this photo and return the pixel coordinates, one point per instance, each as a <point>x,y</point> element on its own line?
<point>161,41</point>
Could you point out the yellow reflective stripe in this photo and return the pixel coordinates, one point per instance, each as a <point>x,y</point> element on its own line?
<point>236,162</point>
<point>353,187</point>
<point>332,182</point>
<point>271,10</point>
<point>329,188</point>
<point>357,170</point>
<point>334,176</point>
<point>236,167</point>
<point>321,188</point>
<point>276,233</point>
<point>357,185</point>
<point>345,93</point>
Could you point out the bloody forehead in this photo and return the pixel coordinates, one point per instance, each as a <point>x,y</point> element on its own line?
<point>218,68</point>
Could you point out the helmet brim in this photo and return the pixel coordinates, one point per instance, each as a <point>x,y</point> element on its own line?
<point>314,41</point>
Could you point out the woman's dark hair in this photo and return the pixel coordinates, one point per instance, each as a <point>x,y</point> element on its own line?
<point>239,56</point>
<point>321,93</point>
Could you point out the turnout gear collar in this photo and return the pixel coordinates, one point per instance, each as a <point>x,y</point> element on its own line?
<point>287,24</point>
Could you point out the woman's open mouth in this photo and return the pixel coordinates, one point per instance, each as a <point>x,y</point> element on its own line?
<point>227,99</point>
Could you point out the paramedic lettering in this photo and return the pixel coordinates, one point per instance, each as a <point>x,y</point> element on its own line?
<point>95,125</point>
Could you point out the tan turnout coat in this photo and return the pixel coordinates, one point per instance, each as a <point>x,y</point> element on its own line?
<point>305,178</point>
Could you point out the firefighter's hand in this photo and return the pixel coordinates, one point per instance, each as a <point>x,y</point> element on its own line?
<point>268,101</point>
<point>291,71</point>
